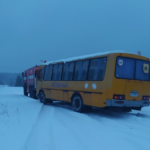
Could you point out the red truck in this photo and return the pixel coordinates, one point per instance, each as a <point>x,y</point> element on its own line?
<point>30,77</point>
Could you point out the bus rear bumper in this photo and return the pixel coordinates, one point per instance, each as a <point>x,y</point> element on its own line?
<point>127,103</point>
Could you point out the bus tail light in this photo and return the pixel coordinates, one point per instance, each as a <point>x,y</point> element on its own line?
<point>145,98</point>
<point>119,97</point>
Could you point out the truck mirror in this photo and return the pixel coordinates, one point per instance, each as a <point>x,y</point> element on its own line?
<point>22,74</point>
<point>35,74</point>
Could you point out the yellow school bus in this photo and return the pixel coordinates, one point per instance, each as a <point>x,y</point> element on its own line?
<point>109,80</point>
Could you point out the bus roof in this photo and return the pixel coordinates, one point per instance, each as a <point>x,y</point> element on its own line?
<point>84,57</point>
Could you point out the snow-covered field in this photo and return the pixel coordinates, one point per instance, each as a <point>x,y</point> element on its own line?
<point>26,124</point>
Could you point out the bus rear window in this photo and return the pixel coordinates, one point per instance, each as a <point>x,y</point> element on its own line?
<point>125,68</point>
<point>134,69</point>
<point>142,70</point>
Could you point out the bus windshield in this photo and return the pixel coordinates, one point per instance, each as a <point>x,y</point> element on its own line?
<point>134,69</point>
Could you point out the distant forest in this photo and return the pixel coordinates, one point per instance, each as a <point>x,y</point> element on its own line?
<point>11,79</point>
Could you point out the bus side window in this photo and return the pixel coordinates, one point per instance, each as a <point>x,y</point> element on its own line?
<point>48,73</point>
<point>97,69</point>
<point>57,71</point>
<point>85,69</point>
<point>81,68</point>
<point>65,71</point>
<point>54,72</point>
<point>68,71</point>
<point>40,75</point>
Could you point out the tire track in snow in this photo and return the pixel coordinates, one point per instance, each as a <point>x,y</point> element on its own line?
<point>123,128</point>
<point>81,132</point>
<point>41,136</point>
<point>129,127</point>
<point>71,135</point>
<point>33,127</point>
<point>58,128</point>
<point>82,122</point>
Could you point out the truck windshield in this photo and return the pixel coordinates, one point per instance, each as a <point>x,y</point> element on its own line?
<point>134,69</point>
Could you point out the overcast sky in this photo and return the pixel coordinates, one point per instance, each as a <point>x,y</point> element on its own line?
<point>34,30</point>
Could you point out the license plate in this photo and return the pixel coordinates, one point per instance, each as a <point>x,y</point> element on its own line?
<point>134,94</point>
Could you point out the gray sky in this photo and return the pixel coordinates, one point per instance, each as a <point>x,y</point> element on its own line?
<point>34,30</point>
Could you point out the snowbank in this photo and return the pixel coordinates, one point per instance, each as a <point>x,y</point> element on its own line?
<point>17,117</point>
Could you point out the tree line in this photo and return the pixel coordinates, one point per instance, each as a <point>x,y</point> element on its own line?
<point>11,79</point>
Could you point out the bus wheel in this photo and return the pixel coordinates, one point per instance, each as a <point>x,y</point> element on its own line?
<point>77,104</point>
<point>42,98</point>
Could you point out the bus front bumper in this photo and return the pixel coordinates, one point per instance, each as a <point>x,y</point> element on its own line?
<point>127,103</point>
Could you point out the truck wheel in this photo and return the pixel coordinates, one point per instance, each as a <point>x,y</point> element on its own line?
<point>77,104</point>
<point>34,94</point>
<point>31,93</point>
<point>42,98</point>
<point>25,91</point>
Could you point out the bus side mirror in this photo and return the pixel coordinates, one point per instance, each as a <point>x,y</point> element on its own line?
<point>22,74</point>
<point>35,74</point>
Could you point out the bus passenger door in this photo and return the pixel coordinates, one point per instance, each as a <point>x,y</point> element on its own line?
<point>40,80</point>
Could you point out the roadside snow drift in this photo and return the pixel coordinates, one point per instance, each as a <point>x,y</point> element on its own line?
<point>26,124</point>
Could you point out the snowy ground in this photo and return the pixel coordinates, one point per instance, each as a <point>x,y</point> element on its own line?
<point>26,124</point>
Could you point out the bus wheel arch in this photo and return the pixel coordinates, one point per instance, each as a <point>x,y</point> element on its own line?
<point>40,91</point>
<point>75,94</point>
<point>42,97</point>
<point>77,102</point>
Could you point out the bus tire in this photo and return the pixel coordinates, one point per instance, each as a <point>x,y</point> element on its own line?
<point>42,98</point>
<point>77,103</point>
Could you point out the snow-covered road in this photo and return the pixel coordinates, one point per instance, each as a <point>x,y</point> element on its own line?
<point>26,124</point>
